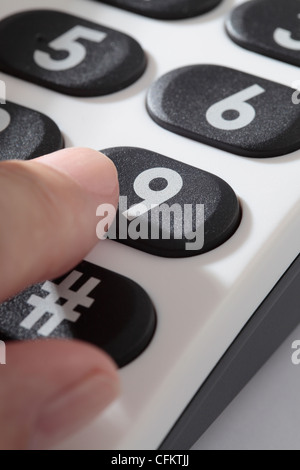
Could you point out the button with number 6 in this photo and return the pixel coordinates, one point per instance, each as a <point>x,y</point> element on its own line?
<point>168,208</point>
<point>227,109</point>
<point>69,54</point>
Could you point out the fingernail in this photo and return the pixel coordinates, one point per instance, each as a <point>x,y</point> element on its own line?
<point>73,408</point>
<point>90,169</point>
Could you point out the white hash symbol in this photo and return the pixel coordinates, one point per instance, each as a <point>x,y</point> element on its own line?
<point>50,303</point>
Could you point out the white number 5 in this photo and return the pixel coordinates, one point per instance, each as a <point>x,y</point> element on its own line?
<point>68,42</point>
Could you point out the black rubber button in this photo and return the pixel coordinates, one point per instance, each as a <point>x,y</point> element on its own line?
<point>166,9</point>
<point>89,304</point>
<point>227,109</point>
<point>26,134</point>
<point>168,208</point>
<point>69,54</point>
<point>269,27</point>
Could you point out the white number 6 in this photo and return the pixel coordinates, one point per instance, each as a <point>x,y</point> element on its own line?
<point>68,42</point>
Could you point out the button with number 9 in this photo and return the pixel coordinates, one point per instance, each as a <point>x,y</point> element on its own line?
<point>168,208</point>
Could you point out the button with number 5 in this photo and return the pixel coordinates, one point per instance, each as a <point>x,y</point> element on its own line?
<point>168,208</point>
<point>69,54</point>
<point>228,109</point>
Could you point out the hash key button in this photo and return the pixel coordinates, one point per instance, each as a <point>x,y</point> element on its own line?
<point>90,304</point>
<point>227,109</point>
<point>26,134</point>
<point>166,9</point>
<point>69,54</point>
<point>269,27</point>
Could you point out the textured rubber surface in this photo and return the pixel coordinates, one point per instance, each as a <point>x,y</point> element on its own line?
<point>26,134</point>
<point>90,61</point>
<point>90,304</point>
<point>227,109</point>
<point>269,27</point>
<point>222,212</point>
<point>166,9</point>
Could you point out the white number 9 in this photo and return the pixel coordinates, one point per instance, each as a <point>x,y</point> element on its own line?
<point>68,42</point>
<point>152,199</point>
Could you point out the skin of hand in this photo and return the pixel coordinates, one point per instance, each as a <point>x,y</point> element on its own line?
<point>50,389</point>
